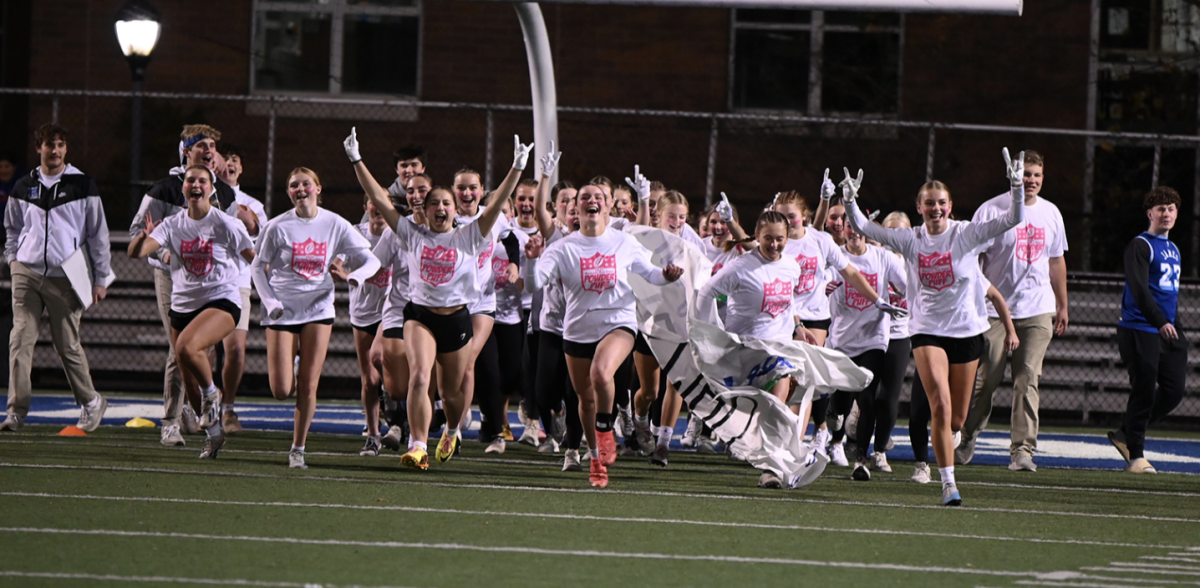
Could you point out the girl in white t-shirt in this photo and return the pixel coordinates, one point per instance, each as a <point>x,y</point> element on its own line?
<point>443,281</point>
<point>947,300</point>
<point>593,266</point>
<point>208,251</point>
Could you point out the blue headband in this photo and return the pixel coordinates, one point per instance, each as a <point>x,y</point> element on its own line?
<point>187,143</point>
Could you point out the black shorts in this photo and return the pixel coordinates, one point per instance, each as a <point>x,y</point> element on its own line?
<point>822,324</point>
<point>958,350</point>
<point>180,320</point>
<point>394,333</point>
<point>451,331</point>
<point>299,327</point>
<point>588,350</point>
<point>642,345</point>
<point>370,329</point>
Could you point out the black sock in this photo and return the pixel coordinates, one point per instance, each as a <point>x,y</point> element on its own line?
<point>604,422</point>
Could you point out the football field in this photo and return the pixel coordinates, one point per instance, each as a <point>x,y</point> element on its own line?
<point>117,508</point>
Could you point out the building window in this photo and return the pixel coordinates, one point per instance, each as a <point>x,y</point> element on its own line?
<point>337,47</point>
<point>816,62</point>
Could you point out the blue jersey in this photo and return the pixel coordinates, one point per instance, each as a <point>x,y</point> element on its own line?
<point>1162,280</point>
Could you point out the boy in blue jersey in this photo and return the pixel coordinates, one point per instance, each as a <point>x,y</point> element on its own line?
<point>1149,337</point>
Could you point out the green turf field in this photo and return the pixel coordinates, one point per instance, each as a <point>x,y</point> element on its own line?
<point>116,508</point>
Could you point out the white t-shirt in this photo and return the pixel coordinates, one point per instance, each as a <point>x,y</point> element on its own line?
<point>441,266</point>
<point>759,295</point>
<point>526,297</point>
<point>366,299</point>
<point>508,296</point>
<point>297,252</point>
<point>257,208</point>
<point>486,292</point>
<point>206,258</point>
<point>391,255</point>
<point>946,288</point>
<point>816,253</point>
<point>1018,262</point>
<point>718,256</point>
<point>858,325</point>
<point>595,277</point>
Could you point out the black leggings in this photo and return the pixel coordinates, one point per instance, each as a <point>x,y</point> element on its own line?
<point>621,381</point>
<point>918,421</point>
<point>877,413</point>
<point>510,346</point>
<point>487,389</point>
<point>554,389</point>
<point>1157,374</point>
<point>529,361</point>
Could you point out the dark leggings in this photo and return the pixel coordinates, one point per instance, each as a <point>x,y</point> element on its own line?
<point>487,389</point>
<point>554,389</point>
<point>843,402</point>
<point>529,362</point>
<point>510,345</point>
<point>622,380</point>
<point>918,421</point>
<point>877,414</point>
<point>1157,374</point>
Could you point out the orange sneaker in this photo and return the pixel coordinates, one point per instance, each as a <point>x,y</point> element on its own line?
<point>598,475</point>
<point>416,459</point>
<point>608,447</point>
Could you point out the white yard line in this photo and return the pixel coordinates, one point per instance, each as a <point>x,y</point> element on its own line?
<point>171,580</point>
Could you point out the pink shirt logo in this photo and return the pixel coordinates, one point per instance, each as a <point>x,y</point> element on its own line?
<point>895,299</point>
<point>308,258</point>
<point>485,255</point>
<point>937,270</point>
<point>808,274</point>
<point>717,267</point>
<point>500,272</point>
<point>197,256</point>
<point>856,299</point>
<point>1031,242</point>
<point>777,297</point>
<point>437,264</point>
<point>598,272</point>
<point>382,279</point>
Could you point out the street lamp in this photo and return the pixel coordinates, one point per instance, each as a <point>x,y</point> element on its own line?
<point>137,25</point>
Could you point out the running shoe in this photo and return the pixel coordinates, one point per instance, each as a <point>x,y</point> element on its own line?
<point>395,438</point>
<point>821,441</point>
<point>1117,438</point>
<point>230,422</point>
<point>1140,466</point>
<point>416,459</point>
<point>598,475</point>
<point>446,447</point>
<point>531,434</point>
<point>189,423</point>
<point>497,446</point>
<point>548,446</point>
<point>659,457</point>
<point>861,472</point>
<point>560,426</point>
<point>92,413</point>
<point>964,453</point>
<point>296,460</point>
<point>1022,462</point>
<point>837,455</point>
<point>607,443</point>
<point>957,439</point>
<point>372,447</point>
<point>571,461</point>
<point>210,410</point>
<point>625,422</point>
<point>950,496</point>
<point>769,480</point>
<point>852,424</point>
<point>921,473</point>
<point>705,445</point>
<point>643,437</point>
<point>171,436</point>
<point>690,435</point>
<point>507,433</point>
<point>13,422</point>
<point>524,420</point>
<point>295,375</point>
<point>212,444</point>
<point>458,443</point>
<point>879,462</point>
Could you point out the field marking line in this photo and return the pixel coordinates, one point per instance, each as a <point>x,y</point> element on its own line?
<point>1160,566</point>
<point>606,492</point>
<point>173,580</point>
<point>531,551</point>
<point>1164,558</point>
<point>1129,570</point>
<point>575,517</point>
<point>1072,584</point>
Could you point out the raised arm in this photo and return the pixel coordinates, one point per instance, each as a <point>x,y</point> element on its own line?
<point>979,233</point>
<point>725,210</point>
<point>541,211</point>
<point>641,187</point>
<point>897,239</point>
<point>378,194</point>
<point>142,244</point>
<point>827,192</point>
<point>492,211</point>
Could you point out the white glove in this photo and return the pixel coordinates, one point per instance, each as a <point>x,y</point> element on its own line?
<point>873,215</point>
<point>895,311</point>
<point>351,145</point>
<point>1015,168</point>
<point>771,206</point>
<point>724,209</point>
<point>550,161</point>
<point>274,309</point>
<point>640,184</point>
<point>520,153</point>
<point>827,187</point>
<point>850,186</point>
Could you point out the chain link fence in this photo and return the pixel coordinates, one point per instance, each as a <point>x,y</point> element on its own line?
<point>1096,178</point>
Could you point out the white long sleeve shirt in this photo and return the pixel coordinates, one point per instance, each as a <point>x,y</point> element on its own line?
<point>818,257</point>
<point>206,258</point>
<point>759,295</point>
<point>389,253</point>
<point>508,296</point>
<point>554,302</point>
<point>243,199</point>
<point>857,324</point>
<point>367,298</point>
<point>1018,262</point>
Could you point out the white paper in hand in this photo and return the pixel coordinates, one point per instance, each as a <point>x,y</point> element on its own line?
<point>76,268</point>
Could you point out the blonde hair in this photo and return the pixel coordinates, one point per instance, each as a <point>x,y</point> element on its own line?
<point>793,197</point>
<point>308,172</point>
<point>933,185</point>
<point>898,216</point>
<point>190,131</point>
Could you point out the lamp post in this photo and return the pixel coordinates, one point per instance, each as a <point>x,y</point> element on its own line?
<point>137,25</point>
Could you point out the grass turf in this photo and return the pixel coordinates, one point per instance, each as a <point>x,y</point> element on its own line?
<point>116,507</point>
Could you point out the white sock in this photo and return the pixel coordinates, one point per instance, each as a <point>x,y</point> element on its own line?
<point>947,475</point>
<point>300,448</point>
<point>452,432</point>
<point>641,420</point>
<point>664,436</point>
<point>210,389</point>
<point>595,453</point>
<point>437,405</point>
<point>226,406</point>
<point>214,431</point>
<point>95,402</point>
<point>418,445</point>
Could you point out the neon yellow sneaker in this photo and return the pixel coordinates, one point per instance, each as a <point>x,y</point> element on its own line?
<point>446,447</point>
<point>416,459</point>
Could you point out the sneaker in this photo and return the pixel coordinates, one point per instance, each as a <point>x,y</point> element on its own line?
<point>366,431</point>
<point>598,475</point>
<point>230,422</point>
<point>446,447</point>
<point>416,459</point>
<point>1022,462</point>
<point>852,424</point>
<point>821,441</point>
<point>1117,438</point>
<point>921,473</point>
<point>497,446</point>
<point>395,438</point>
<point>296,460</point>
<point>643,436</point>
<point>213,444</point>
<point>548,446</point>
<point>861,472</point>
<point>625,423</point>
<point>571,461</point>
<point>13,422</point>
<point>837,455</point>
<point>891,444</point>
<point>769,480</point>
<point>524,420</point>
<point>560,426</point>
<point>964,453</point>
<point>188,422</point>
<point>692,433</point>
<point>295,375</point>
<point>90,416</point>
<point>607,443</point>
<point>659,457</point>
<point>950,496</point>
<point>458,443</point>
<point>531,434</point>
<point>624,450</point>
<point>879,462</point>
<point>372,447</point>
<point>957,439</point>
<point>1140,466</point>
<point>171,436</point>
<point>705,445</point>
<point>507,433</point>
<point>210,410</point>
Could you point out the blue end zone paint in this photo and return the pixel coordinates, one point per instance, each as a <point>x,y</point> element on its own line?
<point>1056,450</point>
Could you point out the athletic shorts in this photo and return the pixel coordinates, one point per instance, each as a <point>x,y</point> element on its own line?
<point>642,345</point>
<point>588,350</point>
<point>394,333</point>
<point>299,327</point>
<point>958,350</point>
<point>244,322</point>
<point>180,320</point>
<point>370,329</point>
<point>451,331</point>
<point>822,324</point>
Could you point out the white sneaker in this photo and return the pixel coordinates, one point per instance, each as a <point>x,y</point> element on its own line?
<point>13,422</point>
<point>692,433</point>
<point>625,423</point>
<point>852,424</point>
<point>524,420</point>
<point>548,446</point>
<point>213,444</point>
<point>189,423</point>
<point>497,446</point>
<point>821,441</point>
<point>861,472</point>
<point>879,462</point>
<point>90,415</point>
<point>571,461</point>
<point>532,432</point>
<point>837,455</point>
<point>645,439</point>
<point>296,460</point>
<point>957,439</point>
<point>171,436</point>
<point>372,446</point>
<point>921,474</point>
<point>705,445</point>
<point>211,409</point>
<point>395,438</point>
<point>560,426</point>
<point>950,495</point>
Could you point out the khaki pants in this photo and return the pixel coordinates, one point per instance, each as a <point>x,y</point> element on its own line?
<point>173,395</point>
<point>33,292</point>
<point>1034,333</point>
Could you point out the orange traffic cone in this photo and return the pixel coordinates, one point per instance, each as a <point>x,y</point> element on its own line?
<point>72,431</point>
